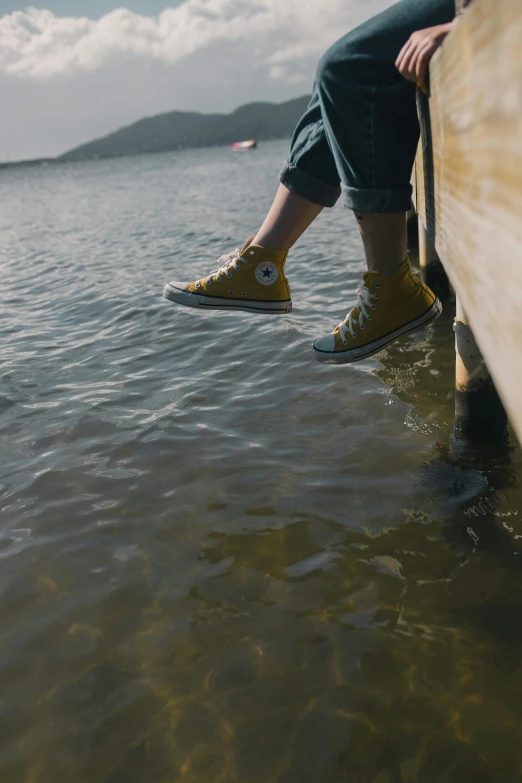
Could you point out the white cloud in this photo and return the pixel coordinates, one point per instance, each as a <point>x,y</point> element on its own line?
<point>36,44</point>
<point>68,80</point>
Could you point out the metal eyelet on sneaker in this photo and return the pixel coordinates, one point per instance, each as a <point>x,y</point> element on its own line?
<point>376,296</point>
<point>363,327</point>
<point>369,318</point>
<point>377,285</point>
<point>244,293</point>
<point>230,292</point>
<point>198,285</point>
<point>252,252</point>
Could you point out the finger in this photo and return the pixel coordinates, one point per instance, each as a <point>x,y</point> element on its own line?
<point>414,59</point>
<point>403,54</point>
<point>425,60</point>
<point>404,57</point>
<point>413,63</point>
<point>406,66</point>
<point>422,63</point>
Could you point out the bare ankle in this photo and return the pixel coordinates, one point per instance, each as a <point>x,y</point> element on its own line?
<point>384,239</point>
<point>267,244</point>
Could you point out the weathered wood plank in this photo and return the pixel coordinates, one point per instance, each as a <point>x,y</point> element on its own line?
<point>468,189</point>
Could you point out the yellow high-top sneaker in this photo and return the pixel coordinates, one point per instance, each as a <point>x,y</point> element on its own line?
<point>387,307</point>
<point>251,279</point>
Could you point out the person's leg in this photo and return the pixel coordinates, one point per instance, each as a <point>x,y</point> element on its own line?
<point>309,182</point>
<point>384,239</point>
<point>333,140</point>
<point>288,218</point>
<point>370,119</point>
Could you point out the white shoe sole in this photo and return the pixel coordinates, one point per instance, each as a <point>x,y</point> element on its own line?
<point>189,299</point>
<point>364,351</point>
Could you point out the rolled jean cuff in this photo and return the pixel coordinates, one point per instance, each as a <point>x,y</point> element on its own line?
<point>310,187</point>
<point>376,200</point>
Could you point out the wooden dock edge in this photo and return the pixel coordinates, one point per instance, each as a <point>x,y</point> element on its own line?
<point>467,183</point>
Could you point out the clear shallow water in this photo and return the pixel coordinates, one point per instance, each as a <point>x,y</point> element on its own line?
<point>221,561</point>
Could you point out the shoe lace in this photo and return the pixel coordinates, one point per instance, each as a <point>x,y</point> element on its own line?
<point>364,297</point>
<point>228,262</point>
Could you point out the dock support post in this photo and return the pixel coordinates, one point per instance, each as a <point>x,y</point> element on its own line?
<point>432,270</point>
<point>479,413</point>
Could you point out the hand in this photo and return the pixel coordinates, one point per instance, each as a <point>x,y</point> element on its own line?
<point>415,55</point>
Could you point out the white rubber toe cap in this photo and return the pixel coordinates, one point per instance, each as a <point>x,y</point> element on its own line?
<point>177,292</point>
<point>326,343</point>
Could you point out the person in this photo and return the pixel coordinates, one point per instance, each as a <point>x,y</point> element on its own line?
<point>357,139</point>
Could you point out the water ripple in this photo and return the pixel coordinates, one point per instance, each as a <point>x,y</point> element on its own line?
<point>220,560</point>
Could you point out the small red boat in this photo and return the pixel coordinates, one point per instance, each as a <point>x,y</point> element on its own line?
<point>251,144</point>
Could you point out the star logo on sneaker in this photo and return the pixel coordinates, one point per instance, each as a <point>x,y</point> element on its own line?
<point>266,273</point>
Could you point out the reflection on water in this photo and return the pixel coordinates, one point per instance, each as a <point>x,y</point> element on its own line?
<point>221,561</point>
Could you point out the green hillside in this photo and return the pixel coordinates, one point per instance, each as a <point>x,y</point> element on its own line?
<point>183,130</point>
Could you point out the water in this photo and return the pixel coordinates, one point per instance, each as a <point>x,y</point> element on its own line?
<point>222,561</point>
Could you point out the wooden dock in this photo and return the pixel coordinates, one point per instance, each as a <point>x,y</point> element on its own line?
<point>468,186</point>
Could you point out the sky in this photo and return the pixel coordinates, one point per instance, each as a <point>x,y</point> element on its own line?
<point>74,70</point>
<point>91,8</point>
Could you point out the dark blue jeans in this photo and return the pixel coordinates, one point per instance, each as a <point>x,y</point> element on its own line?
<point>360,132</point>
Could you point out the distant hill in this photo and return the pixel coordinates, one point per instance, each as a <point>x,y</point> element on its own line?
<point>183,130</point>
<point>34,162</point>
